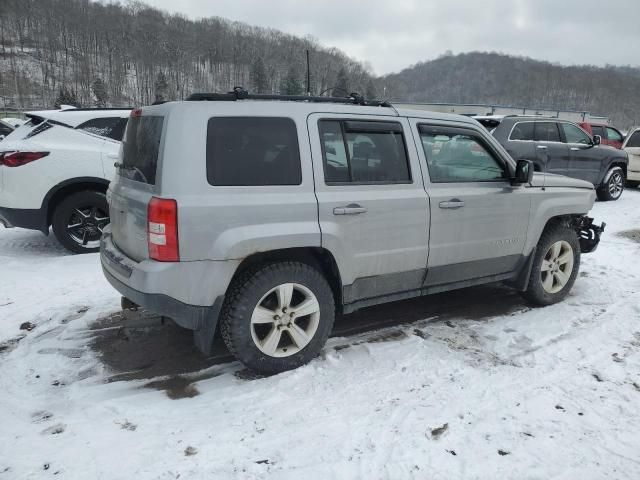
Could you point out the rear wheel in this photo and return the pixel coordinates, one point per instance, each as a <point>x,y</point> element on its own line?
<point>277,317</point>
<point>79,219</point>
<point>555,266</point>
<point>613,187</point>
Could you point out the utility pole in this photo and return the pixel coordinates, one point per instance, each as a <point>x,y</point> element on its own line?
<point>308,76</point>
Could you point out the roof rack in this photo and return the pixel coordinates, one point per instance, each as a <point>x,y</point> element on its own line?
<point>239,93</point>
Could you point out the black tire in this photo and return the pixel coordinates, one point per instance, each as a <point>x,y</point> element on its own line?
<point>244,295</point>
<point>84,238</point>
<point>536,292</point>
<point>613,187</point>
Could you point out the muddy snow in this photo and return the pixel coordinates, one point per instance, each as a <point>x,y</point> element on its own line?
<point>468,384</point>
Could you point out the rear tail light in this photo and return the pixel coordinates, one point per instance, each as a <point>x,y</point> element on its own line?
<point>17,159</point>
<point>162,231</point>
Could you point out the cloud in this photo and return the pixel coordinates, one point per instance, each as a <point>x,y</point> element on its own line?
<point>393,35</point>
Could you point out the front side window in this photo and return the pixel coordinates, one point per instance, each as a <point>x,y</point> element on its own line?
<point>522,131</point>
<point>547,132</point>
<point>363,152</point>
<point>613,135</point>
<point>634,141</point>
<point>575,134</point>
<point>457,156</point>
<point>253,151</point>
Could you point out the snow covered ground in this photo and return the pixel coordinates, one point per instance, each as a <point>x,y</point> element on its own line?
<point>471,384</point>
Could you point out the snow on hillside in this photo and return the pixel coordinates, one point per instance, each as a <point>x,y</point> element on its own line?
<point>469,384</point>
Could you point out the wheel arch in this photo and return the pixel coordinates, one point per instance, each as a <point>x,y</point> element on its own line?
<point>69,187</point>
<point>316,257</point>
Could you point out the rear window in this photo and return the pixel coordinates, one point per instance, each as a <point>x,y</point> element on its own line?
<point>140,150</point>
<point>252,151</point>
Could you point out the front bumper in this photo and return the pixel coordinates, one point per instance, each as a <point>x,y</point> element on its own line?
<point>589,234</point>
<point>33,219</point>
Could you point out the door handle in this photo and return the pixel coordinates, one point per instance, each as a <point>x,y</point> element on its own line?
<point>453,204</point>
<point>542,147</point>
<point>114,156</point>
<point>351,209</point>
<point>575,149</point>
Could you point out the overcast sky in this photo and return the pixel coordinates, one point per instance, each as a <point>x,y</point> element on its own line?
<point>393,34</point>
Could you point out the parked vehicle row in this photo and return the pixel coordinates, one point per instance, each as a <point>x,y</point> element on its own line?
<point>55,170</point>
<point>264,218</point>
<point>632,147</point>
<point>562,147</point>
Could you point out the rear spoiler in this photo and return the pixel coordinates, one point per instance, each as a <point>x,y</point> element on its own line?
<point>37,119</point>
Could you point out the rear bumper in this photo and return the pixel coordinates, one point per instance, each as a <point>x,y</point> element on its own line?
<point>33,219</point>
<point>193,317</point>
<point>190,293</point>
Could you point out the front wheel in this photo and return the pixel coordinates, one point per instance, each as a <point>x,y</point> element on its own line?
<point>277,317</point>
<point>79,219</point>
<point>613,187</point>
<point>555,266</point>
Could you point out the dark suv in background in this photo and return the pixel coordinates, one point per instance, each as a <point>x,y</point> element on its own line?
<point>562,147</point>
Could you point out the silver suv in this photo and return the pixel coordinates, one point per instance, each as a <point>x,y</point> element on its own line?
<point>266,216</point>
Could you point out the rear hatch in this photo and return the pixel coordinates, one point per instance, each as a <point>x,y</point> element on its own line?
<point>135,184</point>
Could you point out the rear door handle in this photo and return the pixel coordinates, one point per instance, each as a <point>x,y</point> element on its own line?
<point>453,204</point>
<point>542,147</point>
<point>575,149</point>
<point>351,209</point>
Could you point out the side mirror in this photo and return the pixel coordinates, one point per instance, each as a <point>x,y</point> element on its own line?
<point>1,137</point>
<point>524,172</point>
<point>597,139</point>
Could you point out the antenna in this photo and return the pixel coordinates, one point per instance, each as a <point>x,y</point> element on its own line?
<point>308,76</point>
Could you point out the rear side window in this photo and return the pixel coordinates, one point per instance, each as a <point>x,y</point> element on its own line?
<point>547,132</point>
<point>141,147</point>
<point>522,131</point>
<point>363,152</point>
<point>109,127</point>
<point>252,151</point>
<point>634,141</point>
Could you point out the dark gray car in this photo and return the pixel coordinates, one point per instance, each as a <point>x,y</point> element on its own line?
<point>562,147</point>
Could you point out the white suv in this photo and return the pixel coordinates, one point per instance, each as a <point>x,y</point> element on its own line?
<point>55,170</point>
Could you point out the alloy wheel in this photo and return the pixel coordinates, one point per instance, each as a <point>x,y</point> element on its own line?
<point>285,320</point>
<point>85,225</point>
<point>557,266</point>
<point>616,185</point>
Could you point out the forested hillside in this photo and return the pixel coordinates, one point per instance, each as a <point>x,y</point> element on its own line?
<point>506,80</point>
<point>110,54</point>
<point>79,51</point>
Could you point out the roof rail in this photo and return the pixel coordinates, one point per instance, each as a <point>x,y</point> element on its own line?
<point>239,93</point>
<point>90,109</point>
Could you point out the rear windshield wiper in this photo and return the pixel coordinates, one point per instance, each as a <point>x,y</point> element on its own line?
<point>131,169</point>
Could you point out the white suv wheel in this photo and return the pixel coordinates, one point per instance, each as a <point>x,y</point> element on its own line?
<point>285,320</point>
